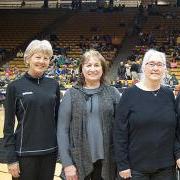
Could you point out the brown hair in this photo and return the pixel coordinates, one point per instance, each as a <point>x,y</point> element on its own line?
<point>86,56</point>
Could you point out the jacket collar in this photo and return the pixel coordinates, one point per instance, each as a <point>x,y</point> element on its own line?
<point>28,76</point>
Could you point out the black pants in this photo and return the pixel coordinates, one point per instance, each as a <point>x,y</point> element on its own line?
<point>161,174</point>
<point>37,167</point>
<point>96,173</point>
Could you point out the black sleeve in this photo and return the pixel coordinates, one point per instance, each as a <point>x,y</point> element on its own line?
<point>120,133</point>
<point>177,140</point>
<point>9,124</point>
<point>57,103</point>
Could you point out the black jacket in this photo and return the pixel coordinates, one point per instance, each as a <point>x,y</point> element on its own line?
<point>35,103</point>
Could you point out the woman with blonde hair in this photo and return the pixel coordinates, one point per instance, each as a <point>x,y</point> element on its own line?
<point>34,100</point>
<point>86,116</point>
<point>146,125</point>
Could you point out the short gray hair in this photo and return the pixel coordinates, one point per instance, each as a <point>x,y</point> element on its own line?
<point>151,53</point>
<point>36,46</point>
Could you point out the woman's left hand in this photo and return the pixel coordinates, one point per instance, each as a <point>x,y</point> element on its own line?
<point>178,163</point>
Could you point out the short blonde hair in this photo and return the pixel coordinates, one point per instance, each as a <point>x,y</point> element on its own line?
<point>36,46</point>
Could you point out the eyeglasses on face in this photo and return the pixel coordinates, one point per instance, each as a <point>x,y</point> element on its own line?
<point>153,64</point>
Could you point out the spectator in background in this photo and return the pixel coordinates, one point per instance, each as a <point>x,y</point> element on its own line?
<point>178,40</point>
<point>176,92</point>
<point>146,126</point>
<point>135,68</point>
<point>31,150</point>
<point>167,79</point>
<point>85,123</point>
<point>23,3</point>
<point>128,70</point>
<point>19,54</point>
<point>173,63</point>
<point>125,84</point>
<point>118,83</point>
<point>121,70</point>
<point>173,81</point>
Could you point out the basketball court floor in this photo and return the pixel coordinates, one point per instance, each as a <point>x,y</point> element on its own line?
<point>4,175</point>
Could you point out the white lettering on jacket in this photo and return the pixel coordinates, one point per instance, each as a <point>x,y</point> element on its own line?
<point>26,93</point>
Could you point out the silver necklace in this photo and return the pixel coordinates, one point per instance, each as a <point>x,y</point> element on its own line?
<point>155,93</point>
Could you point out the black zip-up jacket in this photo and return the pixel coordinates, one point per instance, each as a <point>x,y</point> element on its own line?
<point>35,103</point>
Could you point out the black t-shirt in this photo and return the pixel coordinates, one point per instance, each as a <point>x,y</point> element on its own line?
<point>144,132</point>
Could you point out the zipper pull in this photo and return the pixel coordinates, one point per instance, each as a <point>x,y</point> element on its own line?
<point>38,81</point>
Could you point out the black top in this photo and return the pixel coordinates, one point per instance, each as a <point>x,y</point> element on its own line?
<point>35,103</point>
<point>144,131</point>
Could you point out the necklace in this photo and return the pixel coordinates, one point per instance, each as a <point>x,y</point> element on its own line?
<point>155,93</point>
<point>143,87</point>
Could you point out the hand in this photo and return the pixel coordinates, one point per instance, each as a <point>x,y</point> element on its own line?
<point>178,163</point>
<point>125,174</point>
<point>71,172</point>
<point>14,169</point>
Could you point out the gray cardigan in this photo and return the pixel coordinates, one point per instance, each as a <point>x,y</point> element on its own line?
<point>75,146</point>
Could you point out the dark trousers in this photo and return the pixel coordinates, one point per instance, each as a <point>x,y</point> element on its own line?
<point>37,167</point>
<point>96,173</point>
<point>161,174</point>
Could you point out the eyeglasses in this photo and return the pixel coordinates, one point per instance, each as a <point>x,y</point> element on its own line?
<point>152,64</point>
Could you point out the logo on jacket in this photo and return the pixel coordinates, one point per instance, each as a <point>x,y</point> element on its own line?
<point>27,93</point>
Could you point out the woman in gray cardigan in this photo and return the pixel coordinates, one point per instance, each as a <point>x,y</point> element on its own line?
<point>86,117</point>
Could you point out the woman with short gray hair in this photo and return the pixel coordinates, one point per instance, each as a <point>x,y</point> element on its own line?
<point>146,125</point>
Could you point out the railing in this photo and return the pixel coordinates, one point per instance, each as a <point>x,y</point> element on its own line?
<point>61,3</point>
<point>67,3</point>
<point>28,4</point>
